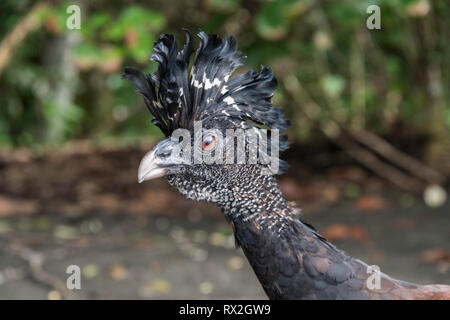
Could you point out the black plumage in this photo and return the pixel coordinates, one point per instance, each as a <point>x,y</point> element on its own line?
<point>290,259</point>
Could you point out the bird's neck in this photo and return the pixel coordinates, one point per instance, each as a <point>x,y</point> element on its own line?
<point>275,241</point>
<point>253,200</point>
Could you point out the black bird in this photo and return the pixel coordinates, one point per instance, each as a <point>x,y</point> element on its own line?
<point>290,259</point>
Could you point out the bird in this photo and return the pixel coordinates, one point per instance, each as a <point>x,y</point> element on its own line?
<point>289,257</point>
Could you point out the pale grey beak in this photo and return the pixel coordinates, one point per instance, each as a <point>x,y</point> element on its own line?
<point>149,169</point>
<point>164,157</point>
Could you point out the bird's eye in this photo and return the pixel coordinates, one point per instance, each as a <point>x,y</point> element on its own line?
<point>208,143</point>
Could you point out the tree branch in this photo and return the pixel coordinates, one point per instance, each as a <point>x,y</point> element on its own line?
<point>35,262</point>
<point>12,40</point>
<point>365,157</point>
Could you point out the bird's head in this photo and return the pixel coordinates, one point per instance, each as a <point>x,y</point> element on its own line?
<point>222,132</point>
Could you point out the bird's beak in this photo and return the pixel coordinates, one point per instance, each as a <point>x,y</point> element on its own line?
<point>164,157</point>
<point>149,169</point>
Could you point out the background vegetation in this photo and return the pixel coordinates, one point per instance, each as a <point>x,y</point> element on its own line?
<point>335,75</point>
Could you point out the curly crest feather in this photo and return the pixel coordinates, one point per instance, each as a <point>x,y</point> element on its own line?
<point>176,99</point>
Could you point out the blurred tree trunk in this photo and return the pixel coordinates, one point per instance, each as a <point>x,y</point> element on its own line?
<point>438,151</point>
<point>63,81</point>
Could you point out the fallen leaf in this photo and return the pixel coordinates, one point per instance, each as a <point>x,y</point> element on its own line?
<point>54,295</point>
<point>235,263</point>
<point>118,272</point>
<point>90,271</point>
<point>435,255</point>
<point>206,287</point>
<point>341,231</point>
<point>217,239</point>
<point>370,203</point>
<point>331,193</point>
<point>65,232</point>
<point>157,285</point>
<point>10,206</point>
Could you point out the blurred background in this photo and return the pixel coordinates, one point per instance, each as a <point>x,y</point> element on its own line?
<point>370,155</point>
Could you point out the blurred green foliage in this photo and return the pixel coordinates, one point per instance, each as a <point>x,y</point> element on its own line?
<point>65,84</point>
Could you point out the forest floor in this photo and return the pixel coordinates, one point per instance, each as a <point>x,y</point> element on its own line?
<point>84,207</point>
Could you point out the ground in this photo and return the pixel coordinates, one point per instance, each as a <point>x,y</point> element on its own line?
<point>144,241</point>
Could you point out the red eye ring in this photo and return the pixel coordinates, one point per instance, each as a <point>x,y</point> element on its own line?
<point>208,143</point>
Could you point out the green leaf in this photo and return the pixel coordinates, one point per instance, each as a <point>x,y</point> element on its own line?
<point>271,22</point>
<point>138,19</point>
<point>225,5</point>
<point>95,23</point>
<point>332,85</point>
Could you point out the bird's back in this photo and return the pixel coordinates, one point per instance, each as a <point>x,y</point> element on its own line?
<point>298,263</point>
